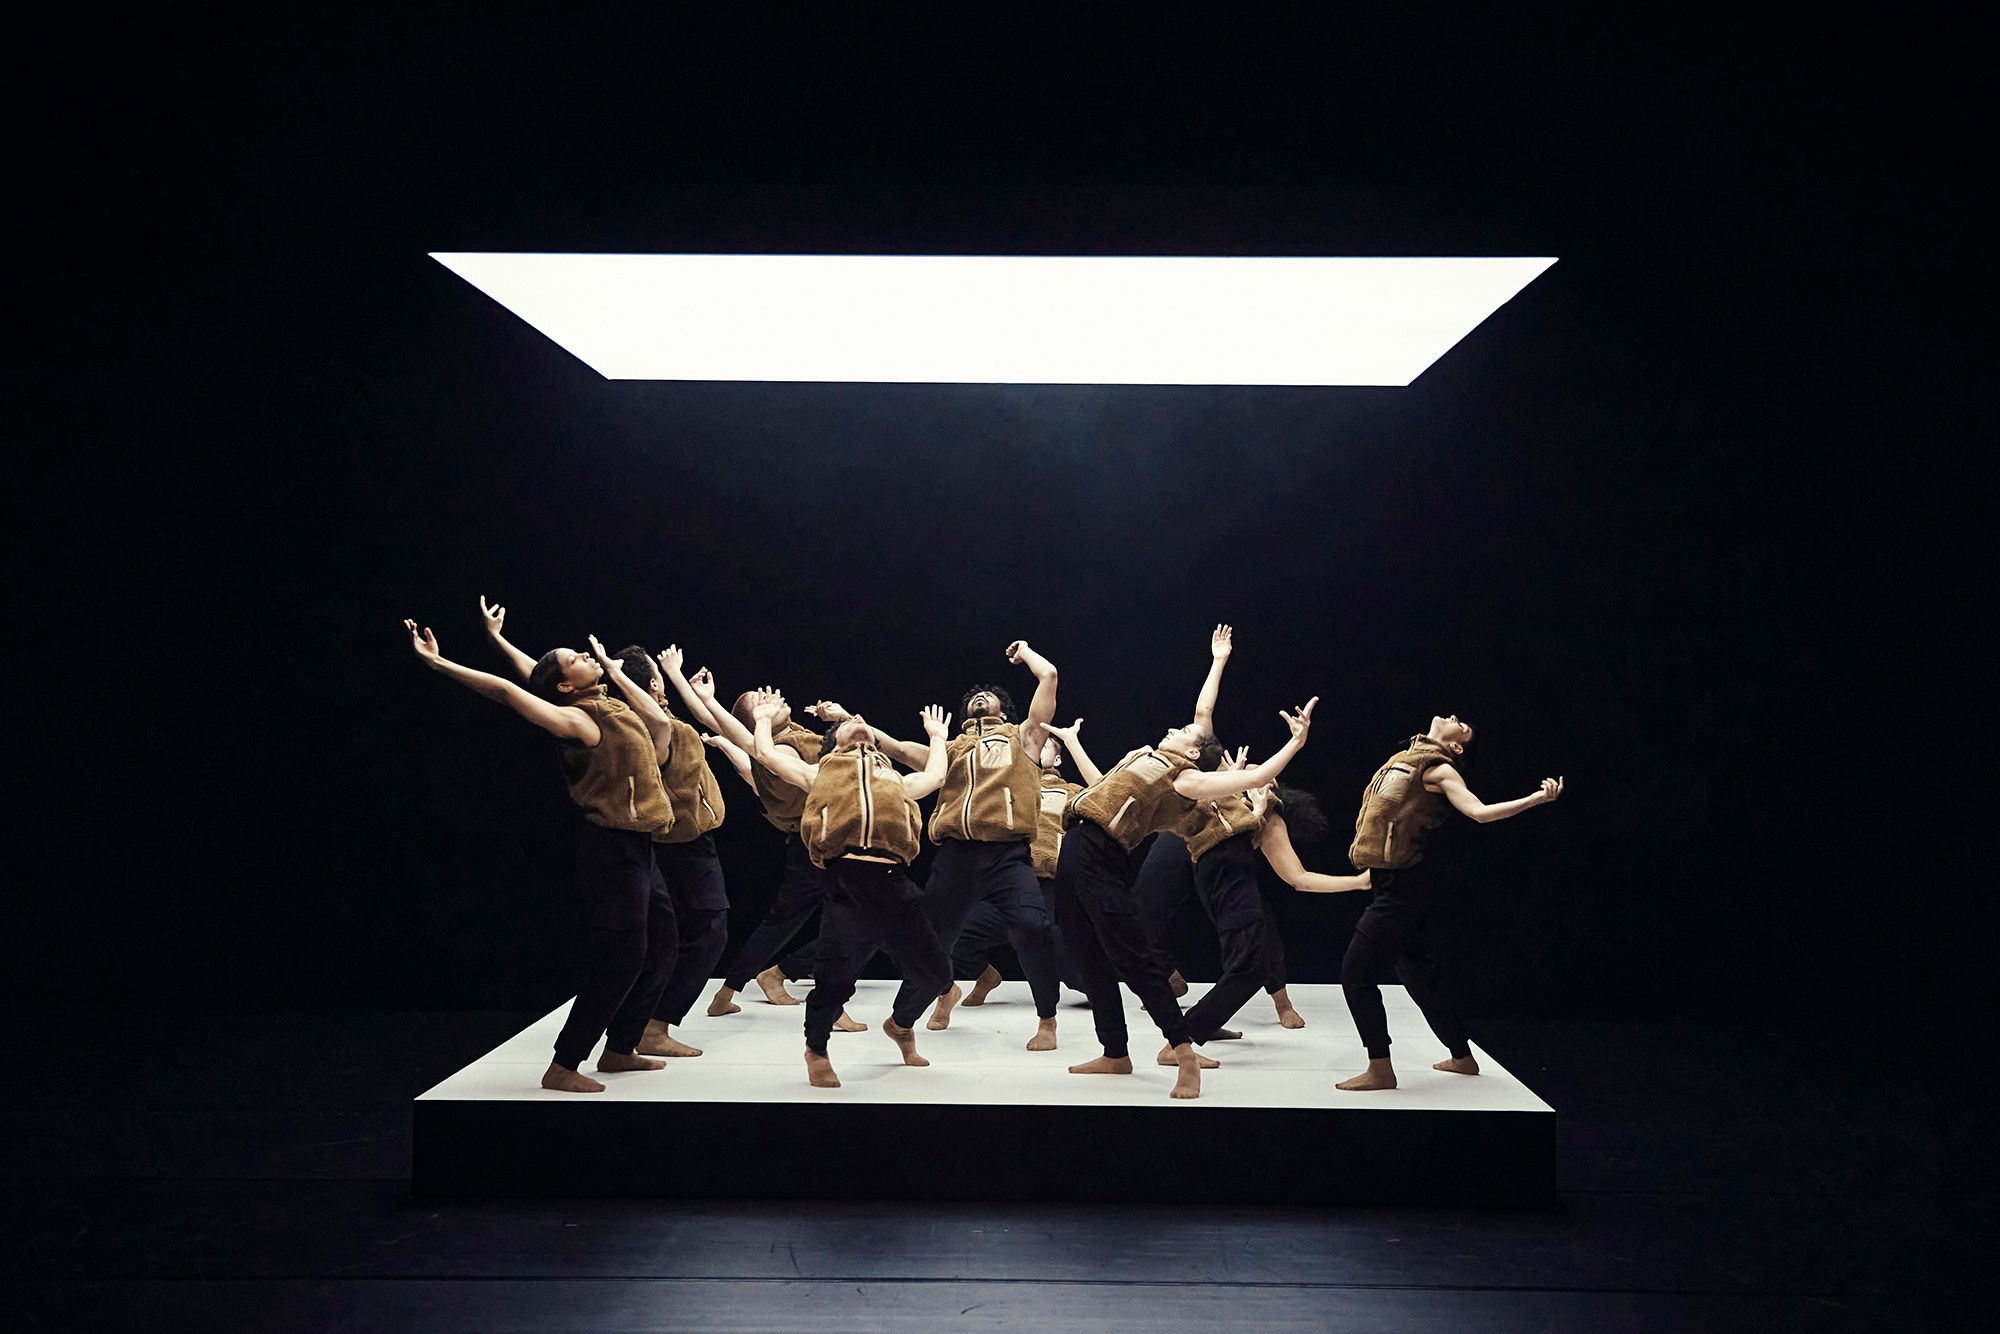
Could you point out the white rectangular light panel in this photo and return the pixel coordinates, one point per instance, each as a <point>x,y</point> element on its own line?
<point>1001,319</point>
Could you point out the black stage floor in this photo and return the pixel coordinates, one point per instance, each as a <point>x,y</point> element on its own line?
<point>250,1171</point>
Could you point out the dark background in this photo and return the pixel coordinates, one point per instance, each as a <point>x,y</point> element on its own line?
<point>1699,520</point>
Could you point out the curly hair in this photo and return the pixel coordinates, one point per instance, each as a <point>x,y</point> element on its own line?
<point>1304,816</point>
<point>999,693</point>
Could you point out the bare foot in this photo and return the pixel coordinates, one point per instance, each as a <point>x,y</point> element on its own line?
<point>562,1079</point>
<point>722,1004</point>
<point>819,1071</point>
<point>905,1040</point>
<point>982,987</point>
<point>1379,1075</point>
<point>1187,1084</point>
<point>1104,1065</point>
<point>1287,1016</point>
<point>1045,1035</point>
<point>618,1062</point>
<point>660,1041</point>
<point>1458,1065</point>
<point>847,1023</point>
<point>941,1016</point>
<point>1226,1035</point>
<point>772,980</point>
<point>1177,982</point>
<point>1171,1056</point>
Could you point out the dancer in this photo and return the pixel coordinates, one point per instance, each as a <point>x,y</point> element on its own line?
<point>861,822</point>
<point>613,774</point>
<point>802,887</point>
<point>1402,804</point>
<point>1224,838</point>
<point>1151,788</point>
<point>985,930</point>
<point>983,823</point>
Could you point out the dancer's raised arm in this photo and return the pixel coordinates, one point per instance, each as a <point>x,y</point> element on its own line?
<point>1220,642</point>
<point>1196,785</point>
<point>569,724</point>
<point>765,706</point>
<point>738,760</point>
<point>658,722</point>
<point>910,754</point>
<point>1042,707</point>
<point>1073,743</point>
<point>671,662</point>
<point>1274,840</point>
<point>927,780</point>
<point>495,617</point>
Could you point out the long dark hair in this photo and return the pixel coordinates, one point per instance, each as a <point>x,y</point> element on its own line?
<point>1304,816</point>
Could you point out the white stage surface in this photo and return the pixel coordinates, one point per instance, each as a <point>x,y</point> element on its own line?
<point>988,1119</point>
<point>757,1055</point>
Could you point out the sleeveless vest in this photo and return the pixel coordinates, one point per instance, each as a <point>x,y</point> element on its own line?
<point>990,786</point>
<point>1214,822</point>
<point>1397,810</point>
<point>1046,846</point>
<point>782,802</point>
<point>690,785</point>
<point>858,804</point>
<point>1136,797</point>
<point>617,781</point>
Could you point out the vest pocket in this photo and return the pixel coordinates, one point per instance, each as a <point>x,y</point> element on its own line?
<point>1389,843</point>
<point>632,797</point>
<point>1009,794</point>
<point>1119,818</point>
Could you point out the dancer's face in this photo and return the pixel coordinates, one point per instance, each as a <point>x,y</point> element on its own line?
<point>1186,740</point>
<point>579,670</point>
<point>851,733</point>
<point>1051,752</point>
<point>982,704</point>
<point>1450,733</point>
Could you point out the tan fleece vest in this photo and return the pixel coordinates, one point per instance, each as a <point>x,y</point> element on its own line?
<point>690,785</point>
<point>990,786</point>
<point>784,803</point>
<point>616,781</point>
<point>1213,822</point>
<point>1137,797</point>
<point>1397,811</point>
<point>858,804</point>
<point>1046,847</point>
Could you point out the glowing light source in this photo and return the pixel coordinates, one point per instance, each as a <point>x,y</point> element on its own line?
<point>1001,319</point>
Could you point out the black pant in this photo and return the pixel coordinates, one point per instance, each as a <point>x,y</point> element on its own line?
<point>1100,923</point>
<point>1003,875</point>
<point>1274,946</point>
<point>1395,930</point>
<point>985,935</point>
<point>1165,880</point>
<point>701,906</point>
<point>871,906</point>
<point>1226,880</point>
<point>632,943</point>
<point>801,892</point>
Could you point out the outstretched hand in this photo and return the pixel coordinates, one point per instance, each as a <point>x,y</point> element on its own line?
<point>1301,722</point>
<point>425,643</point>
<point>671,659</point>
<point>1066,735</point>
<point>495,616</point>
<point>827,711</point>
<point>1551,789</point>
<point>611,665</point>
<point>937,723</point>
<point>1016,649</point>
<point>1220,642</point>
<point>766,704</point>
<point>1240,760</point>
<point>703,685</point>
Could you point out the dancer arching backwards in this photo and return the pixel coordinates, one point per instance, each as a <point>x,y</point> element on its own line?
<point>685,854</point>
<point>1148,790</point>
<point>983,823</point>
<point>1401,805</point>
<point>614,776</point>
<point>986,928</point>
<point>802,888</point>
<point>861,824</point>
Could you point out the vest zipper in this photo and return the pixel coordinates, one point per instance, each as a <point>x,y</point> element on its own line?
<point>971,777</point>
<point>867,802</point>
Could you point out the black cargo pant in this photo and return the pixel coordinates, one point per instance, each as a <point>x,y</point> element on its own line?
<point>1100,923</point>
<point>1394,930</point>
<point>1165,881</point>
<point>1226,880</point>
<point>873,906</point>
<point>1002,875</point>
<point>630,947</point>
<point>701,909</point>
<point>801,892</point>
<point>985,934</point>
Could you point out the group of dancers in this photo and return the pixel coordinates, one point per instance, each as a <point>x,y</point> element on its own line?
<point>1025,857</point>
